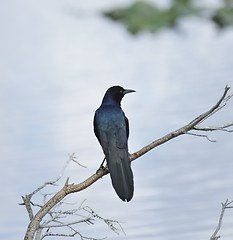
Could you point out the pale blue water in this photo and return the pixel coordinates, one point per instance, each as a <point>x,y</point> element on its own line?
<point>57,60</point>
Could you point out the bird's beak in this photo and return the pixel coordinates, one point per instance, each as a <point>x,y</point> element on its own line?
<point>128,91</point>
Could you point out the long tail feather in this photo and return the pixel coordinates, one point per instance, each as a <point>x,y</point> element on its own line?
<point>121,173</point>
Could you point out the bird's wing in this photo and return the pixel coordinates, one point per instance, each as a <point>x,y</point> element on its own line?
<point>101,135</point>
<point>121,138</point>
<point>127,126</point>
<point>95,128</point>
<point>122,134</point>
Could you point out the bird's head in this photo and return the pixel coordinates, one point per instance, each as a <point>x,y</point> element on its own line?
<point>116,93</point>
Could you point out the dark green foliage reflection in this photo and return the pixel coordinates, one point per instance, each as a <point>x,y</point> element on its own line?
<point>145,16</point>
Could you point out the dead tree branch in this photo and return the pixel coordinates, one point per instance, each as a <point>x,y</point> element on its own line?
<point>112,224</point>
<point>27,199</point>
<point>67,189</point>
<point>193,125</point>
<point>224,207</point>
<point>56,217</point>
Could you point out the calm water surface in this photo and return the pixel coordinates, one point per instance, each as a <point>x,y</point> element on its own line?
<point>57,60</point>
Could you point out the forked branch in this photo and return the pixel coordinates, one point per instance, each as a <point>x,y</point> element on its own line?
<point>34,224</point>
<point>225,205</point>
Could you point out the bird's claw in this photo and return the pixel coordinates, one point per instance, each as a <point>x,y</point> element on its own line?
<point>102,167</point>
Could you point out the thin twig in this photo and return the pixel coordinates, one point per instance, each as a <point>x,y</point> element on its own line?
<point>112,224</point>
<point>223,127</point>
<point>224,206</point>
<point>201,135</point>
<point>87,220</point>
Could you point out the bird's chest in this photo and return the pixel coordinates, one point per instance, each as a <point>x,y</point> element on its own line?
<point>110,118</point>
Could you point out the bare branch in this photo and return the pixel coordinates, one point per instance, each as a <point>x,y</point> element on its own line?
<point>223,127</point>
<point>27,203</point>
<point>220,104</point>
<point>67,189</point>
<point>224,206</point>
<point>27,199</point>
<point>73,158</point>
<point>87,220</point>
<point>201,135</point>
<point>38,234</point>
<point>112,224</point>
<point>190,126</point>
<point>69,235</point>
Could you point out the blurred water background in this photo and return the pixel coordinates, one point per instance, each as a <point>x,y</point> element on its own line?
<point>57,60</point>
